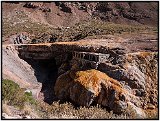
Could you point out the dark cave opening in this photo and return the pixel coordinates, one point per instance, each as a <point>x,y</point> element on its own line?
<point>46,72</point>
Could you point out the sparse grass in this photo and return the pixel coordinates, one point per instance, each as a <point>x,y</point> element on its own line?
<point>29,27</point>
<point>91,29</point>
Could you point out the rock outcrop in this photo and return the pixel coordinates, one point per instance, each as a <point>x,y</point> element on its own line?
<point>139,71</point>
<point>87,87</point>
<point>130,85</point>
<point>127,81</point>
<point>36,5</point>
<point>134,69</point>
<point>20,38</point>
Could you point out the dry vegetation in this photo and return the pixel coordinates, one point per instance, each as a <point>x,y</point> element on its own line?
<point>37,109</point>
<point>68,111</point>
<point>85,29</point>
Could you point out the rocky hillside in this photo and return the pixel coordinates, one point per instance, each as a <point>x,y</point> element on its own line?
<point>69,13</point>
<point>70,21</point>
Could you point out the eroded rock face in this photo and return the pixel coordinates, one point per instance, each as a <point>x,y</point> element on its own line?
<point>87,87</point>
<point>18,70</point>
<point>130,85</point>
<point>139,72</point>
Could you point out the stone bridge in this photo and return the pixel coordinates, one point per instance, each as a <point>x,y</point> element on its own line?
<point>63,51</point>
<point>52,50</point>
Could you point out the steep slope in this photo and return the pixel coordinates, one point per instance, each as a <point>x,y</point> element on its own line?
<point>128,12</point>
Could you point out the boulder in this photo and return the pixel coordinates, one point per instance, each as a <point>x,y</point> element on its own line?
<point>89,87</point>
<point>136,111</point>
<point>32,5</point>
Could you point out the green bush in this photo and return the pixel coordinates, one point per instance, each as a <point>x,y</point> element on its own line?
<point>29,98</point>
<point>9,89</point>
<point>14,95</point>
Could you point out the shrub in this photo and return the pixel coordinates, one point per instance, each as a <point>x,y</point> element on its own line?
<point>29,98</point>
<point>9,89</point>
<point>14,95</point>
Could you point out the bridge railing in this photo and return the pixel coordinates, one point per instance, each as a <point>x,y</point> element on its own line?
<point>97,57</point>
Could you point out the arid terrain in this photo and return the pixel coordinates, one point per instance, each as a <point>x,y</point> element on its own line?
<point>80,60</point>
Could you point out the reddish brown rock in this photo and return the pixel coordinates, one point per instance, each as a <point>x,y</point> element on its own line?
<point>85,87</point>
